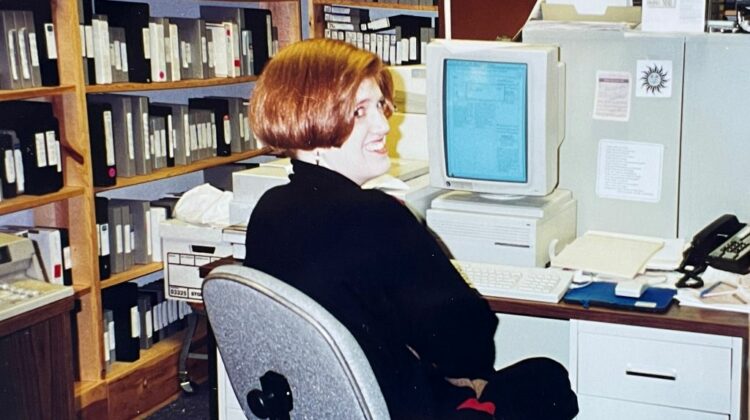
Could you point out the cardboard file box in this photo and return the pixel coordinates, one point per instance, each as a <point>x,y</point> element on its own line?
<point>185,248</point>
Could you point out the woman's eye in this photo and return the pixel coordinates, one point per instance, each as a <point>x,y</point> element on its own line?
<point>381,104</point>
<point>359,112</point>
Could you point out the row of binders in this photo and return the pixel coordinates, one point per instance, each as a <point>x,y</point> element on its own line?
<point>30,155</point>
<point>128,232</point>
<point>397,40</point>
<point>135,318</point>
<point>122,42</point>
<point>131,136</point>
<point>28,49</point>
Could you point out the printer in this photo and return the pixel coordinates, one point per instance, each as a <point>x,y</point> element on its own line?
<point>23,282</point>
<point>406,180</point>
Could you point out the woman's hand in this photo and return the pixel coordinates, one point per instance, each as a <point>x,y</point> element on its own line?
<point>476,384</point>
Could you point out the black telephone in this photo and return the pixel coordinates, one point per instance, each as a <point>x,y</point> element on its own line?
<point>723,244</point>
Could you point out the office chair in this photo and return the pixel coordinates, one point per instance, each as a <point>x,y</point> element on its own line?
<point>286,356</point>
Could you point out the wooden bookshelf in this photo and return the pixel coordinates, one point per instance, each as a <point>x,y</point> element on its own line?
<point>371,5</point>
<point>129,389</point>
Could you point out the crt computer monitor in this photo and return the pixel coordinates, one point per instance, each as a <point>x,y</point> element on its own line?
<point>495,116</point>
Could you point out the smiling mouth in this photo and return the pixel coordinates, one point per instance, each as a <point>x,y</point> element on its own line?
<point>376,147</point>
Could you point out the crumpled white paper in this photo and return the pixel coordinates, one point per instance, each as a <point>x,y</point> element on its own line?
<point>204,204</point>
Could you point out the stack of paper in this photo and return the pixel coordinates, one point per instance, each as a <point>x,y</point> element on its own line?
<point>608,254</point>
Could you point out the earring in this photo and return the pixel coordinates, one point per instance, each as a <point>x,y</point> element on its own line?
<point>317,157</point>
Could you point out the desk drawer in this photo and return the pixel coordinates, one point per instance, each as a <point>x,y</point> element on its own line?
<point>597,408</point>
<point>669,370</point>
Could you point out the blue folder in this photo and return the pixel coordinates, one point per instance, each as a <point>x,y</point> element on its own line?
<point>654,299</point>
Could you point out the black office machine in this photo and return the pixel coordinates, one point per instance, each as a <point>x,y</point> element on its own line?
<point>23,282</point>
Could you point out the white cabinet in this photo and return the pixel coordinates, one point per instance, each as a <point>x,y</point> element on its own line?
<point>627,372</point>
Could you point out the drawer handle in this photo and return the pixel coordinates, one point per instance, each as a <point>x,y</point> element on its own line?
<point>665,376</point>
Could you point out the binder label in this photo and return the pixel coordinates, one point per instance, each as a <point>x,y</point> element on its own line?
<point>109,143</point>
<point>227,130</point>
<point>146,43</point>
<point>89,34</point>
<point>20,180</point>
<point>248,131</point>
<point>127,238</point>
<point>118,239</point>
<point>67,258</point>
<point>111,328</point>
<point>52,148</point>
<point>149,250</point>
<point>129,134</point>
<point>186,59</point>
<point>33,51</point>
<point>146,138</point>
<point>187,133</point>
<point>106,346</point>
<point>135,323</point>
<point>204,50</point>
<point>149,324</point>
<point>41,155</point>
<point>57,156</point>
<point>124,56</point>
<point>25,71</point>
<point>117,55</point>
<point>12,54</point>
<point>82,30</point>
<point>104,239</point>
<point>10,167</point>
<point>49,34</point>
<point>170,139</point>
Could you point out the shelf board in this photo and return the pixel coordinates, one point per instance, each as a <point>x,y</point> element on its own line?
<point>369,5</point>
<point>158,352</point>
<point>138,270</point>
<point>184,169</point>
<point>25,202</point>
<point>182,84</point>
<point>10,95</point>
<point>80,290</point>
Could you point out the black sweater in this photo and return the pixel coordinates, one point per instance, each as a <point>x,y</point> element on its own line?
<point>363,256</point>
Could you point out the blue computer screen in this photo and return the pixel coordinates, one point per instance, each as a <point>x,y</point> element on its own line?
<point>485,118</point>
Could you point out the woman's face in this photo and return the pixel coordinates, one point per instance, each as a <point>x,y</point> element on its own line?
<point>363,155</point>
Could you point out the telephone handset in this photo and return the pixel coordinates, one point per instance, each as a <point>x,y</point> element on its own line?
<point>723,244</point>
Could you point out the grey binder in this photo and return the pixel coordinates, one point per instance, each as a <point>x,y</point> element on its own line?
<point>122,124</point>
<point>141,139</point>
<point>159,141</point>
<point>140,217</point>
<point>192,35</point>
<point>116,238</point>
<point>127,237</point>
<point>180,132</point>
<point>28,49</point>
<point>9,76</point>
<point>119,54</point>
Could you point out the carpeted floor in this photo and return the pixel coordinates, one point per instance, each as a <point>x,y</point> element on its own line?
<point>187,407</point>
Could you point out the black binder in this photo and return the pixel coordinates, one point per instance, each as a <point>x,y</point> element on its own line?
<point>103,164</point>
<point>260,23</point>
<point>101,206</point>
<point>133,17</point>
<point>38,135</point>
<point>9,188</point>
<point>220,110</point>
<point>120,299</point>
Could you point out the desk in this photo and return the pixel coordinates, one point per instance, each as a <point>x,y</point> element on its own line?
<point>36,363</point>
<point>677,319</point>
<point>673,335</point>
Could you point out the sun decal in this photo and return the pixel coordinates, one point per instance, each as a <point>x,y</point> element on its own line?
<point>654,79</point>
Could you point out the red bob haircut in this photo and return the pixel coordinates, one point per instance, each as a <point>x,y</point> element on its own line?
<point>305,97</point>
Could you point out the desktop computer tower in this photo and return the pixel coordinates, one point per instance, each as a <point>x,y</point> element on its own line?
<point>509,232</point>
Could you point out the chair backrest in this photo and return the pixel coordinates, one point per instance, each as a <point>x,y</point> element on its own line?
<point>262,324</point>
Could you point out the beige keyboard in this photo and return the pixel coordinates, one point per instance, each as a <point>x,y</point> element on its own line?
<point>528,283</point>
